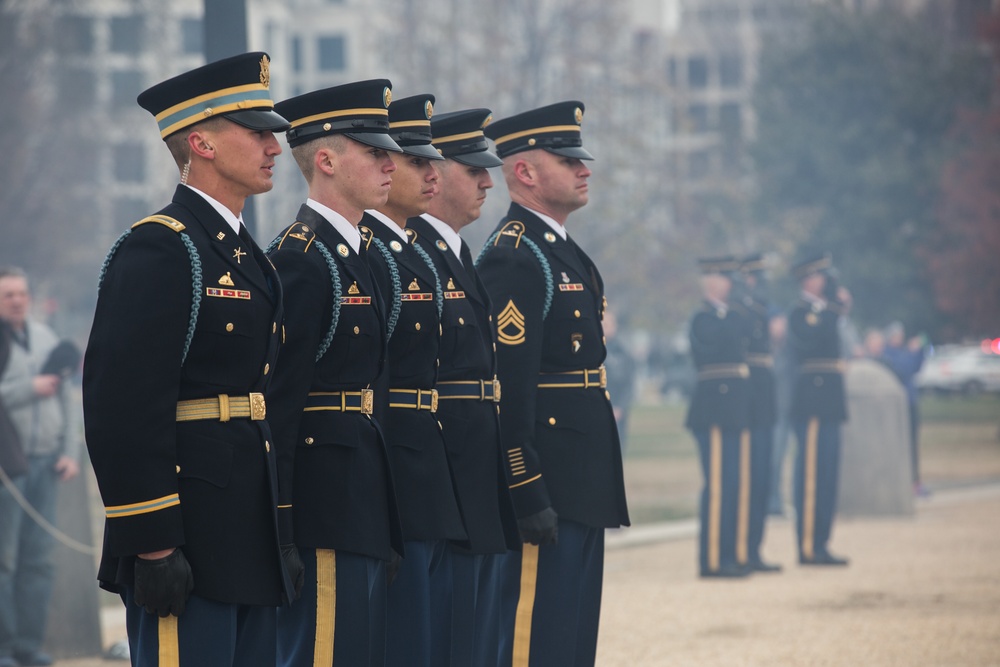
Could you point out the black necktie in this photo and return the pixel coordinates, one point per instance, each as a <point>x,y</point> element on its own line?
<point>466,257</point>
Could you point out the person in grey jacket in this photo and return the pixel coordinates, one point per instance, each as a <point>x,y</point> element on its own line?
<point>38,403</point>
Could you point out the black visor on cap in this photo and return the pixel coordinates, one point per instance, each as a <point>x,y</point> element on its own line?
<point>422,150</point>
<point>259,119</point>
<point>375,139</point>
<point>578,152</point>
<point>477,159</point>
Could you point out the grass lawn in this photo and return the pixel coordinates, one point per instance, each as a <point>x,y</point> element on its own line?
<point>960,445</point>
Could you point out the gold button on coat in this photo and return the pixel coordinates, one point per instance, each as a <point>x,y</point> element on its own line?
<point>357,330</point>
<point>229,327</point>
<point>417,326</point>
<point>178,469</point>
<point>267,446</point>
<point>552,421</point>
<point>461,320</point>
<point>309,441</point>
<point>267,368</point>
<point>576,313</point>
<point>274,327</point>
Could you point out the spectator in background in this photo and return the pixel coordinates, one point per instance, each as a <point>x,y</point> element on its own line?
<point>874,345</point>
<point>905,358</point>
<point>621,375</point>
<point>38,402</point>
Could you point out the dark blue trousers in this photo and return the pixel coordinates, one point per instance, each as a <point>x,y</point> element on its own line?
<point>720,452</point>
<point>207,634</point>
<point>817,474</point>
<point>761,453</point>
<point>551,600</point>
<point>475,608</point>
<point>340,618</point>
<point>419,625</point>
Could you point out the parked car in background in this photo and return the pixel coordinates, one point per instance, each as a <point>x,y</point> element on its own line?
<point>961,369</point>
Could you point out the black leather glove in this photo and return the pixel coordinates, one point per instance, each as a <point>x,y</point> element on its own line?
<point>392,568</point>
<point>162,586</point>
<point>292,561</point>
<point>540,528</point>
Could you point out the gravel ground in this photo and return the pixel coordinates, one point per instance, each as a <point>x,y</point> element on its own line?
<point>920,592</point>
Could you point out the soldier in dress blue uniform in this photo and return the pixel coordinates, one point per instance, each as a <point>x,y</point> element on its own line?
<point>419,599</point>
<point>344,507</point>
<point>754,307</point>
<point>184,341</point>
<point>819,403</point>
<point>557,427</point>
<point>468,389</point>
<point>718,416</point>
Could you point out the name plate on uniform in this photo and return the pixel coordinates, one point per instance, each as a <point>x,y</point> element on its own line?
<point>458,294</point>
<point>416,296</point>
<point>228,293</point>
<point>570,287</point>
<point>355,300</point>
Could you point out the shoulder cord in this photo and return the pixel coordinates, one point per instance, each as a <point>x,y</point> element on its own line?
<point>438,294</point>
<point>546,269</point>
<point>196,282</point>
<point>335,283</point>
<point>397,289</point>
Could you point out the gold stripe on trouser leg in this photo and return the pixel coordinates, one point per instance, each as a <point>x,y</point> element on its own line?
<point>525,605</point>
<point>714,496</point>
<point>326,606</point>
<point>169,651</point>
<point>809,488</point>
<point>743,516</point>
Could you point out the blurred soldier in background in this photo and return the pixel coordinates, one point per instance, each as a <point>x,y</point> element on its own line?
<point>185,335</point>
<point>906,358</point>
<point>468,389</point>
<point>718,417</point>
<point>322,400</point>
<point>755,302</point>
<point>557,425</point>
<point>420,598</point>
<point>819,403</point>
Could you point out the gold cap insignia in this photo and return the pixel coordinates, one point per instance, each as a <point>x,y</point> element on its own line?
<point>395,245</point>
<point>451,283</point>
<point>550,237</point>
<point>353,289</point>
<point>326,127</point>
<point>414,286</point>
<point>441,245</point>
<point>578,115</point>
<point>265,71</point>
<point>387,97</point>
<point>342,250</point>
<point>428,109</point>
<point>531,142</point>
<point>226,280</point>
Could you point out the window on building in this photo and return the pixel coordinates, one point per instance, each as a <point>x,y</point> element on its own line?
<point>126,34</point>
<point>332,53</point>
<point>730,71</point>
<point>125,87</point>
<point>696,118</point>
<point>76,88</point>
<point>730,122</point>
<point>296,54</point>
<point>76,35</point>
<point>699,164</point>
<point>672,71</point>
<point>192,36</point>
<point>697,72</point>
<point>129,162</point>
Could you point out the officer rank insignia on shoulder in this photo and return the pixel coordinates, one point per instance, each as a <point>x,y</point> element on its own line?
<point>510,325</point>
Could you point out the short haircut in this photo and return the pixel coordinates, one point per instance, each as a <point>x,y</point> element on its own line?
<point>177,142</point>
<point>13,272</point>
<point>304,153</point>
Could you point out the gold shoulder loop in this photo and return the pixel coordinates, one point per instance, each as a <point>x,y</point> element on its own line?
<point>510,234</point>
<point>366,235</point>
<point>164,220</point>
<point>298,236</point>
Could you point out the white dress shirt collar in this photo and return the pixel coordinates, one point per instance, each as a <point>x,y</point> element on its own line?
<point>340,223</point>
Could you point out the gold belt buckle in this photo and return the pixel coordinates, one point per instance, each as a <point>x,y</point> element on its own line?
<point>604,376</point>
<point>496,390</point>
<point>434,400</point>
<point>258,408</point>
<point>367,401</point>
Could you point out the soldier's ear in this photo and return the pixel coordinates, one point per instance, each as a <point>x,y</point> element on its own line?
<point>525,172</point>
<point>324,161</point>
<point>200,145</point>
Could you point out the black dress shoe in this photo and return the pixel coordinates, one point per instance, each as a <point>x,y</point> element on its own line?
<point>36,659</point>
<point>761,566</point>
<point>726,572</point>
<point>823,558</point>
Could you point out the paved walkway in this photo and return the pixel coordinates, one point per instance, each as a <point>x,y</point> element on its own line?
<point>920,592</point>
